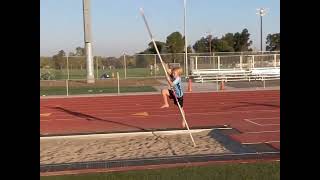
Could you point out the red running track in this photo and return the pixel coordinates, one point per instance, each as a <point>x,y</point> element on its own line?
<point>256,114</point>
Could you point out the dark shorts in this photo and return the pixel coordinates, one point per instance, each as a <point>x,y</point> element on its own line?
<point>180,99</point>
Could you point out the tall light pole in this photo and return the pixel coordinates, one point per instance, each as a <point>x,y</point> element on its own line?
<point>87,40</point>
<point>261,12</point>
<point>125,65</point>
<point>208,34</point>
<point>185,36</point>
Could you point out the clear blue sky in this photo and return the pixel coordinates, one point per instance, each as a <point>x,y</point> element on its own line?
<point>117,25</point>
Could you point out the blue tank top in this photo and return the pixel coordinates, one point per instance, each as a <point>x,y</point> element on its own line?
<point>177,85</point>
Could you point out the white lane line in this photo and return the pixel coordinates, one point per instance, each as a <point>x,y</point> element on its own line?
<point>261,142</point>
<point>252,122</point>
<point>263,118</point>
<point>120,116</point>
<point>261,132</point>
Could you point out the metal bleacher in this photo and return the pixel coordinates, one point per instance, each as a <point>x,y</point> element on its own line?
<point>246,73</point>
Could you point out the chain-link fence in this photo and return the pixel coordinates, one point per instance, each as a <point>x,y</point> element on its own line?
<point>148,65</point>
<point>62,68</point>
<point>137,73</point>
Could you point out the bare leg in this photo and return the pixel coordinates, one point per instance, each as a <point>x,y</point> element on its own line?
<point>165,94</point>
<point>183,123</point>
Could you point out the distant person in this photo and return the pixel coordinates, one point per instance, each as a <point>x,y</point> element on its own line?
<point>151,69</point>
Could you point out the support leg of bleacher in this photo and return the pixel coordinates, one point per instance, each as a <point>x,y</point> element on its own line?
<point>217,84</point>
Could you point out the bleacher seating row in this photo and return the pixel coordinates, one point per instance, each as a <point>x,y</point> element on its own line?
<point>211,75</point>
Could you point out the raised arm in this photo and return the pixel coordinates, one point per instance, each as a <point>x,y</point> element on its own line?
<point>168,69</point>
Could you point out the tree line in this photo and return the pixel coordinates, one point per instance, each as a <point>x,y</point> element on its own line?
<point>229,42</point>
<point>174,44</point>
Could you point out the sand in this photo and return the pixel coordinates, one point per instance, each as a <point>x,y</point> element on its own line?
<point>67,150</point>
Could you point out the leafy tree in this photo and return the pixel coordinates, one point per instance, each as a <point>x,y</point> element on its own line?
<point>201,45</point>
<point>152,50</point>
<point>80,51</point>
<point>229,38</point>
<point>175,44</point>
<point>142,61</point>
<point>46,62</point>
<point>61,53</point>
<point>228,43</point>
<point>189,49</point>
<point>223,46</point>
<point>273,42</point>
<point>76,59</point>
<point>242,41</point>
<point>58,59</point>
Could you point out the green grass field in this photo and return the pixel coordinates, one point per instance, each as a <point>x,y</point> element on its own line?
<point>254,171</point>
<point>81,74</point>
<point>93,90</point>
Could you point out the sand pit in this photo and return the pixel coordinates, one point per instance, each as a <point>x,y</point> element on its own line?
<point>67,150</point>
